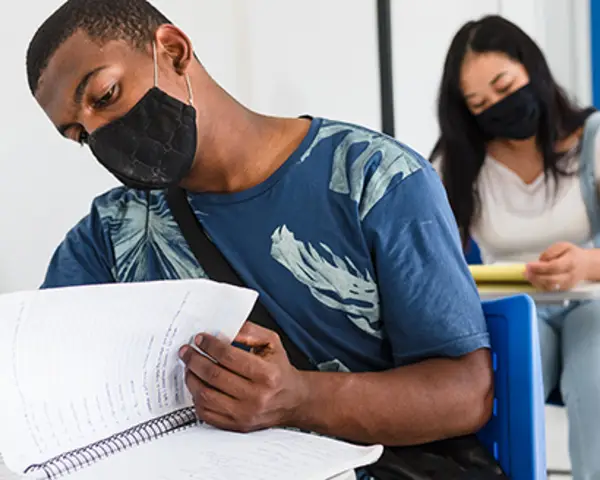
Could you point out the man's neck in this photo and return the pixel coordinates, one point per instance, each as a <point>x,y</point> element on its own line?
<point>242,149</point>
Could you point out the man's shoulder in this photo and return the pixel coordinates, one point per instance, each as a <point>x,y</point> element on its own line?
<point>347,134</point>
<point>366,164</point>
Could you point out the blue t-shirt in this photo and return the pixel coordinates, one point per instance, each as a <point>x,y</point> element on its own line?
<point>351,244</point>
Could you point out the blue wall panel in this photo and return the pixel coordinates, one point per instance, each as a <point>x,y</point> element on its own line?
<point>595,50</point>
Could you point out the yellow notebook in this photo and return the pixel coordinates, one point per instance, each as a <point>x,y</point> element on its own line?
<point>498,273</point>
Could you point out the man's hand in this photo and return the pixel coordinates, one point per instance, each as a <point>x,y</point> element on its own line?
<point>560,267</point>
<point>244,391</point>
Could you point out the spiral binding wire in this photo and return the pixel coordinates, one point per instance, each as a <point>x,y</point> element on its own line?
<point>82,457</point>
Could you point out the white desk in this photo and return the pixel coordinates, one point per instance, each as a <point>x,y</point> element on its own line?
<point>586,291</point>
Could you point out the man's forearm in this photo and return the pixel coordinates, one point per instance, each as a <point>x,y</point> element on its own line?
<point>428,401</point>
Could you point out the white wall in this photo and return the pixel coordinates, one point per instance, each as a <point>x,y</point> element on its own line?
<point>286,58</point>
<point>422,35</point>
<point>45,184</point>
<point>562,29</point>
<point>567,46</point>
<point>422,32</point>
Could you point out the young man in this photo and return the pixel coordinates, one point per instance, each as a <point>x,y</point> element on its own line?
<point>346,234</point>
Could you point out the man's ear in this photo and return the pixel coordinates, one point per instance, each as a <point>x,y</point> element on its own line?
<point>171,41</point>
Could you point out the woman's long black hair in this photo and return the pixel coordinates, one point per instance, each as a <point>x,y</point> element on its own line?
<point>462,146</point>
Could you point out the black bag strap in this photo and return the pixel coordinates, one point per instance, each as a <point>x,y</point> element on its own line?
<point>218,268</point>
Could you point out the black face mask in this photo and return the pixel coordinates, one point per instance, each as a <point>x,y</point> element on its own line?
<point>515,117</point>
<point>153,145</point>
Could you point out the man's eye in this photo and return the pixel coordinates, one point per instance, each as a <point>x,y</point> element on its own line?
<point>106,98</point>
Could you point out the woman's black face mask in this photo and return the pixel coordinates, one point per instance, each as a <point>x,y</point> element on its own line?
<point>515,117</point>
<point>153,145</point>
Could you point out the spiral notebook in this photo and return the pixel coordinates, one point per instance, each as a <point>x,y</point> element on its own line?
<point>91,388</point>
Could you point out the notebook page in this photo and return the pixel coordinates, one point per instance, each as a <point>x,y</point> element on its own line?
<point>83,363</point>
<point>205,453</point>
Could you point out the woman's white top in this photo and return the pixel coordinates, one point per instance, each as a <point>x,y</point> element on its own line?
<point>518,221</point>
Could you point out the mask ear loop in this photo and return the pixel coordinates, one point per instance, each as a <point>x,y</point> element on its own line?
<point>187,77</point>
<point>155,63</point>
<point>190,91</point>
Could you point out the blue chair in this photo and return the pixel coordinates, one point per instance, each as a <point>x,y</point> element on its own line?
<point>516,432</point>
<point>473,254</point>
<point>473,257</point>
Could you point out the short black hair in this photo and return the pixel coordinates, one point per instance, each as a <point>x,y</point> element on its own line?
<point>134,21</point>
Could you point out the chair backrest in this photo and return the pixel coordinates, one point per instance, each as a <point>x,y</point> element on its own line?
<point>473,254</point>
<point>473,257</point>
<point>516,432</point>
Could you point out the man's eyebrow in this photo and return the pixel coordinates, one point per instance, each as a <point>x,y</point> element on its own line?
<point>83,83</point>
<point>78,96</point>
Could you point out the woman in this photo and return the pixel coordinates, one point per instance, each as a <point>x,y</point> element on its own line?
<point>511,155</point>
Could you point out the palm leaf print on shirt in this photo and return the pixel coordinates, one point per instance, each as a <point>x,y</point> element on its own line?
<point>332,280</point>
<point>144,232</point>
<point>365,177</point>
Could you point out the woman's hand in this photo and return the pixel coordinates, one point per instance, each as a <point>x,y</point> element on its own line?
<point>561,267</point>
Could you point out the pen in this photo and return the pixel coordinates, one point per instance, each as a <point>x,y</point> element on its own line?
<point>192,344</point>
